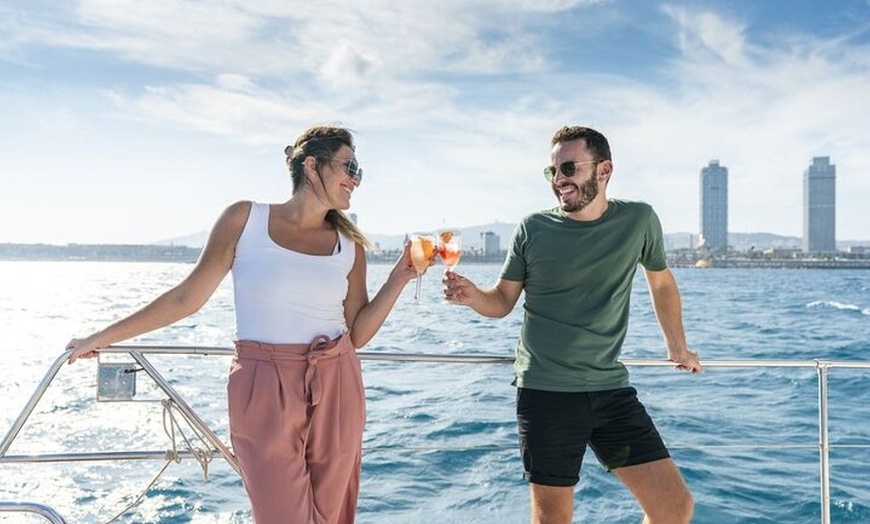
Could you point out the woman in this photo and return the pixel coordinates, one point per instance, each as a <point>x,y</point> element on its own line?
<point>295,392</point>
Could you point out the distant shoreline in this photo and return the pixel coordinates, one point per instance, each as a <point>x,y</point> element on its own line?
<point>189,255</point>
<point>100,252</point>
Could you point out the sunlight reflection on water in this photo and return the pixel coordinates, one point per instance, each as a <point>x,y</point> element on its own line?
<point>440,439</point>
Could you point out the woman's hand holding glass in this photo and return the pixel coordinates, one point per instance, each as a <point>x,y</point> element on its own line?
<point>423,251</point>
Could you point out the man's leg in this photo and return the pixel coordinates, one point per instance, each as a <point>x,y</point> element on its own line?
<point>553,429</point>
<point>552,504</point>
<point>660,490</point>
<point>629,445</point>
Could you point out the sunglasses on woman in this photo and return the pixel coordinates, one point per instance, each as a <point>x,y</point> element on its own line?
<point>351,167</point>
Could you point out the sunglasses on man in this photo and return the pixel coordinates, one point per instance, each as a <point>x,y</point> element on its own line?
<point>568,168</point>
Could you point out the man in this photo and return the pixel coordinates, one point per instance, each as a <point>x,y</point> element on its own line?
<point>576,264</point>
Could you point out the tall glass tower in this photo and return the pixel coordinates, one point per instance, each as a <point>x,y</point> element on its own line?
<point>820,206</point>
<point>490,242</point>
<point>714,206</point>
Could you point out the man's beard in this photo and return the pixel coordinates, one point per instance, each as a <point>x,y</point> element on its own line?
<point>588,191</point>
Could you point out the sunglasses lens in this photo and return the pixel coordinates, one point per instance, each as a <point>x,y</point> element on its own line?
<point>567,168</point>
<point>353,169</point>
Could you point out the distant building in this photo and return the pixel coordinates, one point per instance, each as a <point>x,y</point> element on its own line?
<point>714,206</point>
<point>490,243</point>
<point>820,206</point>
<point>782,252</point>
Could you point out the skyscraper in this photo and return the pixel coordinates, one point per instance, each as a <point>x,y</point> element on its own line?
<point>490,243</point>
<point>714,206</point>
<point>820,206</point>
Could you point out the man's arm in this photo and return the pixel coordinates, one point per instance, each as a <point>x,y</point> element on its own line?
<point>495,302</point>
<point>665,296</point>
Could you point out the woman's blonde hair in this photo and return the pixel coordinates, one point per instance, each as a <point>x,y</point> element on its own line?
<point>322,142</point>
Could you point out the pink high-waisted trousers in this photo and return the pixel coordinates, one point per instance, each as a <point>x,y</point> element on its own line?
<point>296,416</point>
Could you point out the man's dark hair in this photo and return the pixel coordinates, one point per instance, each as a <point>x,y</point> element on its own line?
<point>596,143</point>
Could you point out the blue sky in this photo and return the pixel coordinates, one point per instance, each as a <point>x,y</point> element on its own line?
<point>131,122</point>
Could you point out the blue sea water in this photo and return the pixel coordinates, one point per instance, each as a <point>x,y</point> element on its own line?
<point>440,440</point>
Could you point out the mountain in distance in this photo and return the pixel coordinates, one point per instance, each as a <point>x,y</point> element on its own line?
<point>471,239</point>
<point>737,241</point>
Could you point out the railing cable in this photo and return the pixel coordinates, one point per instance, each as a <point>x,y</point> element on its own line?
<point>141,496</point>
<point>202,454</point>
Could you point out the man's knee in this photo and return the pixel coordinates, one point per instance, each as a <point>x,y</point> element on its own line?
<point>685,508</point>
<point>678,510</point>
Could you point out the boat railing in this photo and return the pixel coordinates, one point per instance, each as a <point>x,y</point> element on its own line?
<point>116,381</point>
<point>32,507</point>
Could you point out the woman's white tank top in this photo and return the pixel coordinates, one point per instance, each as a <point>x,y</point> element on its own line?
<point>283,296</point>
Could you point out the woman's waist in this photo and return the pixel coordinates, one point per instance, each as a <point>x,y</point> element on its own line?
<point>289,329</point>
<point>320,346</point>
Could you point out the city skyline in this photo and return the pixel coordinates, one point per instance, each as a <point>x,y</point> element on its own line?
<point>132,122</point>
<point>819,207</point>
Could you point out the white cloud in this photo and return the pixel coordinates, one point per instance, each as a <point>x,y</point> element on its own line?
<point>236,83</point>
<point>346,68</point>
<point>273,39</point>
<point>706,34</point>
<point>251,116</point>
<point>462,96</point>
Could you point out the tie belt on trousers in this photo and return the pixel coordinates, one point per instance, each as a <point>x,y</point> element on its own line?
<point>322,347</point>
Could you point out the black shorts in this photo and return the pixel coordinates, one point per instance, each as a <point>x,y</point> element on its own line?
<point>554,428</point>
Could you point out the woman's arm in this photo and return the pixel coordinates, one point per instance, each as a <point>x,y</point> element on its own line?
<point>183,299</point>
<point>364,318</point>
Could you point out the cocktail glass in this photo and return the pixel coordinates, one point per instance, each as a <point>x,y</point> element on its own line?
<point>422,253</point>
<point>450,247</point>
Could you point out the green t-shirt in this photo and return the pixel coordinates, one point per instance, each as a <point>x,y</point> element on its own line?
<point>577,280</point>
